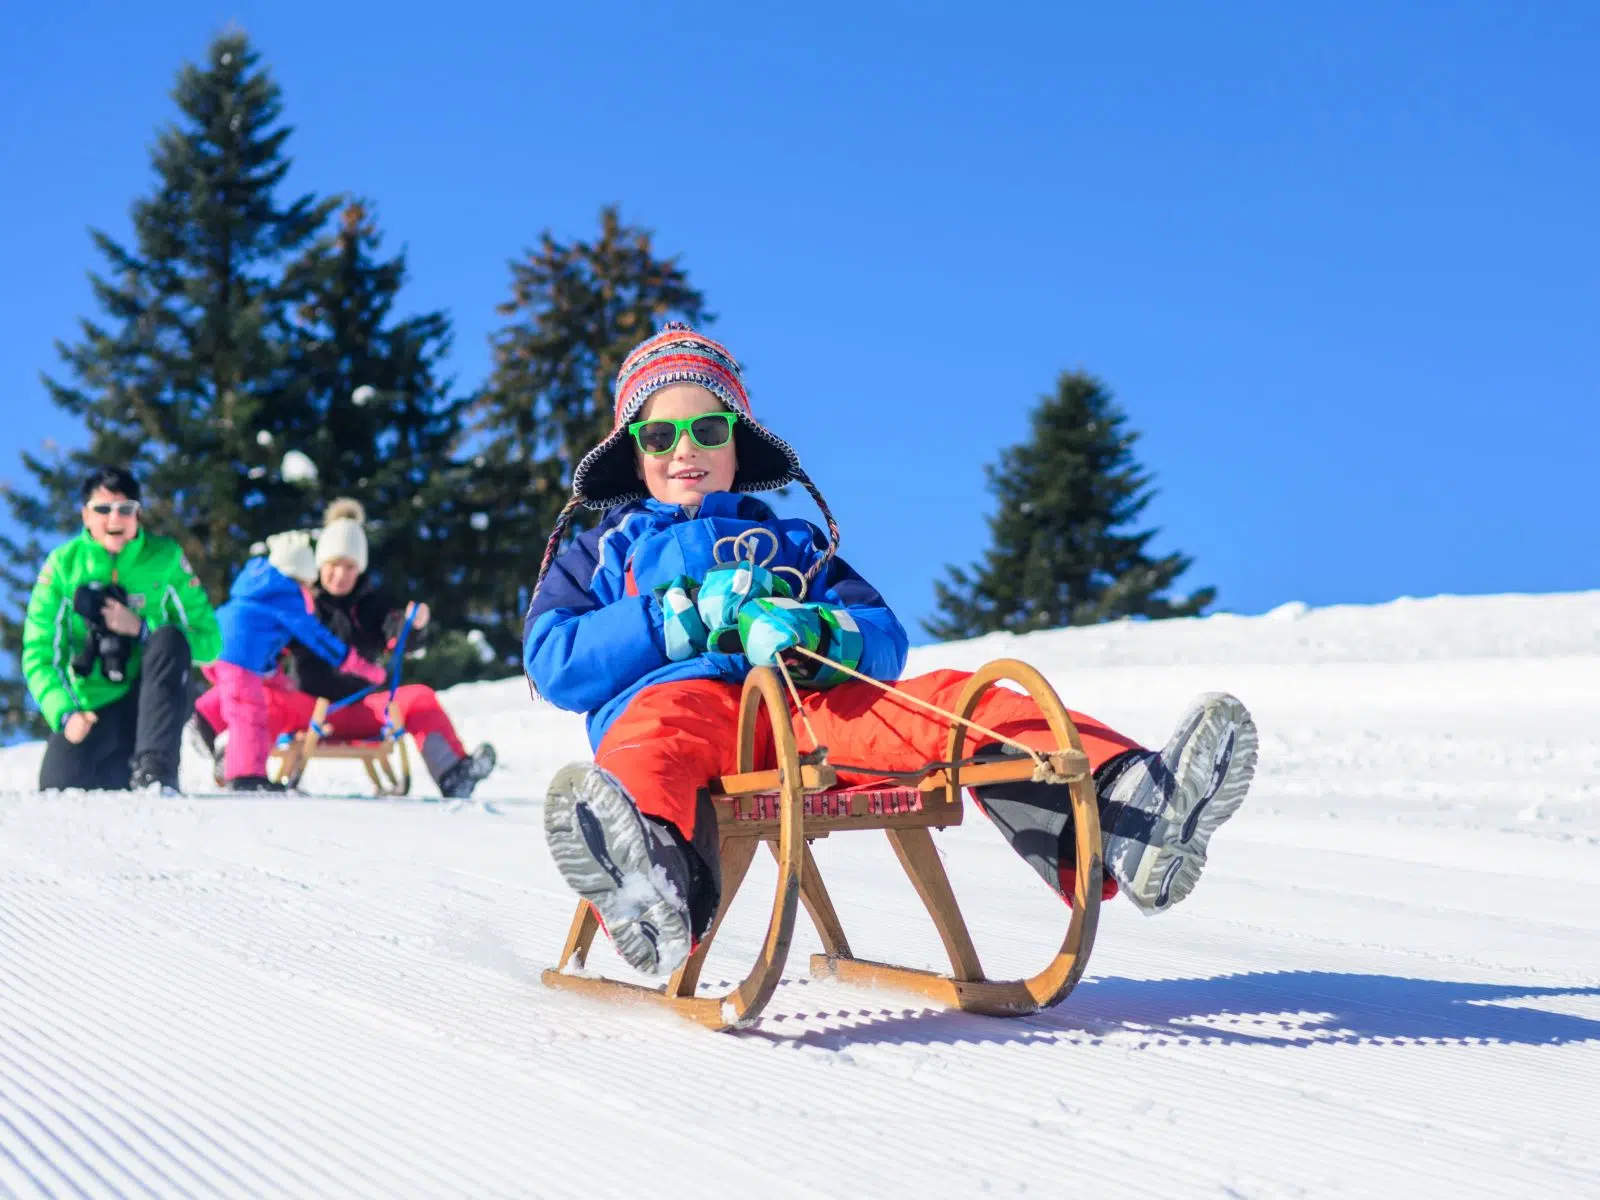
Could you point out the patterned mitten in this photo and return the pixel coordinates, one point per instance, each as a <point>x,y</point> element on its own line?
<point>724,593</point>
<point>354,664</point>
<point>773,625</point>
<point>681,627</point>
<point>770,625</point>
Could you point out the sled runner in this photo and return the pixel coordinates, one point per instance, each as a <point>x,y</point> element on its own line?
<point>385,758</point>
<point>800,801</point>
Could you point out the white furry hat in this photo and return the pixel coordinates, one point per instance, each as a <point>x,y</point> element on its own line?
<point>291,554</point>
<point>343,533</point>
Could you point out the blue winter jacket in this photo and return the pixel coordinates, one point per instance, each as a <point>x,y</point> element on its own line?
<point>592,642</point>
<point>266,610</point>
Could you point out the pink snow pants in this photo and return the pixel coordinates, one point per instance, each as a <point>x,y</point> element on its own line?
<point>284,710</point>
<point>239,702</point>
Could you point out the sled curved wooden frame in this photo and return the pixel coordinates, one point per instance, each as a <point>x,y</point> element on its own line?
<point>787,808</point>
<point>386,760</point>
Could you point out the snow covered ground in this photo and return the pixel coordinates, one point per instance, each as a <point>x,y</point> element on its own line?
<point>1388,982</point>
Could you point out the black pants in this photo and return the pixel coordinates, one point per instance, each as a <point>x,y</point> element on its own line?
<point>144,726</point>
<point>1036,818</point>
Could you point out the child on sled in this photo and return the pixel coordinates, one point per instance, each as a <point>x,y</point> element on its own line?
<point>313,600</point>
<point>650,622</point>
<point>269,606</point>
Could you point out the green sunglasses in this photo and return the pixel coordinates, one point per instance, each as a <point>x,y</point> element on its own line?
<point>709,431</point>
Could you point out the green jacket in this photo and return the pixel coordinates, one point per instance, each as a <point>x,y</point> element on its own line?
<point>161,588</point>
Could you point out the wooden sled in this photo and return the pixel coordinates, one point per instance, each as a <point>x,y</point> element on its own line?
<point>790,807</point>
<point>386,760</point>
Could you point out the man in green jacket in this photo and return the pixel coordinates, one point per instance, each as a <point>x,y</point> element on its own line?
<point>115,620</point>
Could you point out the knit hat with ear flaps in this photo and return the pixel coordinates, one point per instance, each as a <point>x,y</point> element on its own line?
<point>607,475</point>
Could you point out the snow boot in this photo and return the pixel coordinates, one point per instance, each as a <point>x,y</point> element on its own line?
<point>256,783</point>
<point>635,871</point>
<point>154,772</point>
<point>457,781</point>
<point>1158,810</point>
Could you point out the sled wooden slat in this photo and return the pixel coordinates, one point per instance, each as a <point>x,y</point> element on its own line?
<point>915,850</point>
<point>580,935</point>
<point>1066,763</point>
<point>789,807</point>
<point>735,865</point>
<point>831,812</point>
<point>812,779</point>
<point>387,763</point>
<point>367,751</point>
<point>819,907</point>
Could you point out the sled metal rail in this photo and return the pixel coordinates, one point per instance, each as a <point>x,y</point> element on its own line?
<point>787,807</point>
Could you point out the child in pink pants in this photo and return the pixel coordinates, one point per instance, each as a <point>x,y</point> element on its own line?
<point>269,605</point>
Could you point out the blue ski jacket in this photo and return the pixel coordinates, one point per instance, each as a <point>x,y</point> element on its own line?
<point>266,610</point>
<point>593,635</point>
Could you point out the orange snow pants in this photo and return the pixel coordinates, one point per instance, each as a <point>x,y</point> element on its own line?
<point>675,737</point>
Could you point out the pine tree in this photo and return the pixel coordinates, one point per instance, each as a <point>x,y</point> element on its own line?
<point>1061,552</point>
<point>576,309</point>
<point>386,431</point>
<point>183,365</point>
<point>19,567</point>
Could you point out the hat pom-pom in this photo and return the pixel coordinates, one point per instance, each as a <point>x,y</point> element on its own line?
<point>345,509</point>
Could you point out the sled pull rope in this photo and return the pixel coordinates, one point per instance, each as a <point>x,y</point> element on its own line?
<point>389,728</point>
<point>1043,770</point>
<point>794,694</point>
<point>745,544</point>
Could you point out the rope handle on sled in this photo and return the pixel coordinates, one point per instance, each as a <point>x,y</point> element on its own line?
<point>394,683</point>
<point>745,543</point>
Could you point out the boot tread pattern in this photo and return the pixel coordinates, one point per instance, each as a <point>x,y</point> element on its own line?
<point>600,846</point>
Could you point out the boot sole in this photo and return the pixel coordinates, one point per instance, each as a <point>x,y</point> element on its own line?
<point>1213,775</point>
<point>599,845</point>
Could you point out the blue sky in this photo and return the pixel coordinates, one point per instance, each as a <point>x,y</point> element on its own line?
<point>1338,261</point>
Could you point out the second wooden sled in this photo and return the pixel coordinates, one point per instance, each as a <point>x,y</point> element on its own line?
<point>386,760</point>
<point>789,807</point>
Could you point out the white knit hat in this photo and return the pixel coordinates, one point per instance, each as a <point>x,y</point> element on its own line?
<point>343,534</point>
<point>291,554</point>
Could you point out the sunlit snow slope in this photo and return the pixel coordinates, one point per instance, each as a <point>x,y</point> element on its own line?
<point>1387,983</point>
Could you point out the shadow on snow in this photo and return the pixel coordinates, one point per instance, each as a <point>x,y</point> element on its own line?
<point>1271,1008</point>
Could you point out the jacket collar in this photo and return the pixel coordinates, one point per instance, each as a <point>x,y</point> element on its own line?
<point>126,555</point>
<point>717,504</point>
